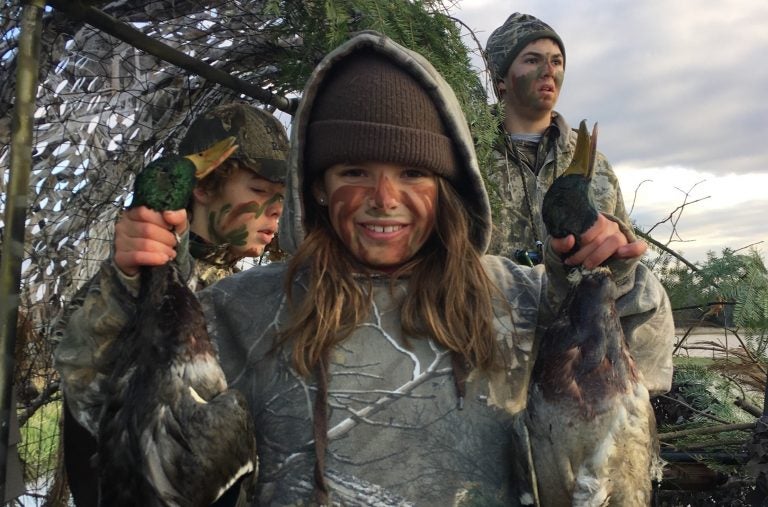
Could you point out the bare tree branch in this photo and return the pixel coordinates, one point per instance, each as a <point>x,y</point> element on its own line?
<point>666,249</point>
<point>676,210</point>
<point>708,430</point>
<point>634,197</point>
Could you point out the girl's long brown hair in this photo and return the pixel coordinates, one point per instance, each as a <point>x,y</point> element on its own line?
<point>449,299</point>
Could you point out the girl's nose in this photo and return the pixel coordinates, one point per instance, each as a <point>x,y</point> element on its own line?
<point>384,195</point>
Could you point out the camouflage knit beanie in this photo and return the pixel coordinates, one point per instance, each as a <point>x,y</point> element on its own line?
<point>371,110</point>
<point>506,42</point>
<point>261,138</point>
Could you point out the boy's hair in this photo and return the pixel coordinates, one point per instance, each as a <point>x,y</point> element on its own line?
<point>214,182</point>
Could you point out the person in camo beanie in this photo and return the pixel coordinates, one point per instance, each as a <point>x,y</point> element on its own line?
<point>535,144</point>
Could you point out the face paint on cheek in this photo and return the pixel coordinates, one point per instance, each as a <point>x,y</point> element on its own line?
<point>523,86</point>
<point>559,77</point>
<point>228,225</point>
<point>421,202</point>
<point>343,203</point>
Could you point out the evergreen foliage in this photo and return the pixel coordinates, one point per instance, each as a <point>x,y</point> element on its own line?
<point>741,280</point>
<point>307,30</point>
<point>730,291</point>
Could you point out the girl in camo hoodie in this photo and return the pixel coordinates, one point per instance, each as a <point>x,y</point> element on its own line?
<point>388,361</point>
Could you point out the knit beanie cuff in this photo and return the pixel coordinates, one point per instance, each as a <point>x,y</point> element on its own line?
<point>347,141</point>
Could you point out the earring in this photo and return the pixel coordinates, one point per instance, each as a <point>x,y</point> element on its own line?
<point>321,201</point>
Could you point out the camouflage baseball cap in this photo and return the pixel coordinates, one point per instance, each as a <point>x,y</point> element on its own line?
<point>506,42</point>
<point>261,138</point>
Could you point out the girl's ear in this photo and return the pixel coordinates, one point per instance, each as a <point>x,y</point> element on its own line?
<point>319,193</point>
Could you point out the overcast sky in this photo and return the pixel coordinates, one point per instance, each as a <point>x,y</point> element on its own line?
<point>678,89</point>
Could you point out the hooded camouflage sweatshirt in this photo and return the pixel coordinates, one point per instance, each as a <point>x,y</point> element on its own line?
<point>519,187</point>
<point>396,433</point>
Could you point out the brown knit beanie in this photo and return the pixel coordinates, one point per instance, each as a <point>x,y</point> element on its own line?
<point>371,110</point>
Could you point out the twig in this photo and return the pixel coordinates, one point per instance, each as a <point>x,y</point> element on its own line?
<point>705,445</point>
<point>747,246</point>
<point>724,458</point>
<point>679,208</point>
<point>688,332</point>
<point>697,307</point>
<point>749,353</point>
<point>707,430</point>
<point>747,407</point>
<point>43,398</point>
<point>634,197</point>
<point>480,49</point>
<point>666,249</point>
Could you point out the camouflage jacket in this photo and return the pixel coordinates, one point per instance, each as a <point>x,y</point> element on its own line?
<point>520,191</point>
<point>396,433</point>
<point>210,263</point>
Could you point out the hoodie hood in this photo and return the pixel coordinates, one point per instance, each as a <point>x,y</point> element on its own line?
<point>468,182</point>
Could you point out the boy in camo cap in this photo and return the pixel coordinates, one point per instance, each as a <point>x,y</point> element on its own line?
<point>234,211</point>
<point>233,214</point>
<point>535,144</point>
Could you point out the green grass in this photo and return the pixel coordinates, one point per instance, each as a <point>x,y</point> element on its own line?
<point>691,361</point>
<point>40,441</point>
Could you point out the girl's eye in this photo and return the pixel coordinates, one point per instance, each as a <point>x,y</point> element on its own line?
<point>416,173</point>
<point>352,172</point>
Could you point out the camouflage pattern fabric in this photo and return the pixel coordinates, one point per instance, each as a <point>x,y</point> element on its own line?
<point>211,263</point>
<point>396,436</point>
<point>518,227</point>
<point>261,138</point>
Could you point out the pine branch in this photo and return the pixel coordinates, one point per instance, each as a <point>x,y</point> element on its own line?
<point>693,409</point>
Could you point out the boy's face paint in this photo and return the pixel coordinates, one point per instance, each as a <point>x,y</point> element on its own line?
<point>245,213</point>
<point>383,213</point>
<point>535,77</point>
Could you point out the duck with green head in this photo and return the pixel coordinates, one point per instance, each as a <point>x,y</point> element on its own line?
<point>171,431</point>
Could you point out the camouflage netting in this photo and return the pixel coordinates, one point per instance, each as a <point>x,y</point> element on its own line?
<point>104,109</point>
